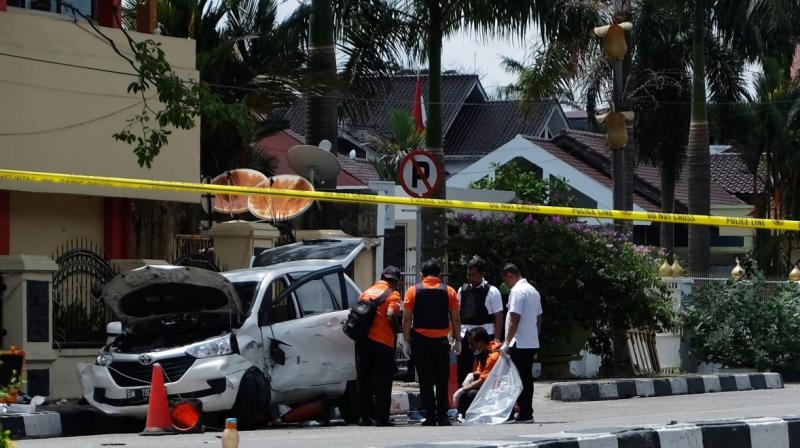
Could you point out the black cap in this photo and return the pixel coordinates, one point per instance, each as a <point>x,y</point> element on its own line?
<point>391,272</point>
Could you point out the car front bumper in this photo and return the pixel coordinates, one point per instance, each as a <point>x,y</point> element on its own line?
<point>214,381</point>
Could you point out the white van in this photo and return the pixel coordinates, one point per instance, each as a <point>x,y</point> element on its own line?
<point>237,341</point>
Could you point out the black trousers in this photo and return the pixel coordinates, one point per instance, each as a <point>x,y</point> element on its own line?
<point>431,356</point>
<point>466,361</point>
<point>374,367</point>
<point>466,400</point>
<point>523,361</point>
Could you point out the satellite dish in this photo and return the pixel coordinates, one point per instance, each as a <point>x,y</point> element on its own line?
<point>279,208</point>
<point>235,203</point>
<point>313,163</point>
<point>352,154</point>
<point>326,145</point>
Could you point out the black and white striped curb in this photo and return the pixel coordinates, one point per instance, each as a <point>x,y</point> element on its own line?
<point>36,425</point>
<point>750,433</point>
<point>659,387</point>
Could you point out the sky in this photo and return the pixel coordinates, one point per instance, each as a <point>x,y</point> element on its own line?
<point>468,54</point>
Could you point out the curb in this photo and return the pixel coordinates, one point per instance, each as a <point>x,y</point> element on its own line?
<point>73,421</point>
<point>35,425</point>
<point>749,433</point>
<point>659,387</point>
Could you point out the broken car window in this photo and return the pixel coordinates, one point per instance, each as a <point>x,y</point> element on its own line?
<point>280,310</point>
<point>246,292</point>
<point>332,282</point>
<point>314,298</point>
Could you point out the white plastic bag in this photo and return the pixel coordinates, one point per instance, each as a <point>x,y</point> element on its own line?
<point>495,401</point>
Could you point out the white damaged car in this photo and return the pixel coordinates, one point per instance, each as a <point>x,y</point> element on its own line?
<point>239,341</point>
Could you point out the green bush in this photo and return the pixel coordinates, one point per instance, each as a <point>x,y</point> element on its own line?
<point>586,275</point>
<point>747,323</point>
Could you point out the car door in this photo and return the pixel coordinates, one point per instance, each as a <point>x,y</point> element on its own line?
<point>308,353</point>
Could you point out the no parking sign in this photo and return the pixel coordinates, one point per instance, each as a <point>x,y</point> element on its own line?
<point>421,174</point>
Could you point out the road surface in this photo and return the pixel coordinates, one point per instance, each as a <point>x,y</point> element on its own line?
<point>551,417</point>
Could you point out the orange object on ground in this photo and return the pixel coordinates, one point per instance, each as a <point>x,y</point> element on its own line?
<point>185,416</point>
<point>314,410</point>
<point>159,422</point>
<point>452,384</point>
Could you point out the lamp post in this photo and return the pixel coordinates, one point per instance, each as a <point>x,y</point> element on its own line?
<point>615,48</point>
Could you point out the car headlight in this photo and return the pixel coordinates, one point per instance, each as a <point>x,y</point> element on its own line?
<point>104,359</point>
<point>214,347</point>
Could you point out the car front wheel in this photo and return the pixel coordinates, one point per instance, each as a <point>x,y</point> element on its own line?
<point>252,400</point>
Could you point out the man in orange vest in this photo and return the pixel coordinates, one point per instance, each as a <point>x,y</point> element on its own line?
<point>375,355</point>
<point>484,347</point>
<point>430,314</point>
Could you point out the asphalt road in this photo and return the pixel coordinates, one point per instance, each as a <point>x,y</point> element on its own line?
<point>551,417</point>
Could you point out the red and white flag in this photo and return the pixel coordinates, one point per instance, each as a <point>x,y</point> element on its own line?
<point>418,109</point>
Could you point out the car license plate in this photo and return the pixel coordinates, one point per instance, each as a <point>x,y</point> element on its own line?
<point>141,393</point>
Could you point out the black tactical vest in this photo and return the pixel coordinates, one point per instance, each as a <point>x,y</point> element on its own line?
<point>431,310</point>
<point>473,305</point>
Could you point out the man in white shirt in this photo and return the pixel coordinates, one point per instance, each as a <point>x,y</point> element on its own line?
<point>523,324</point>
<point>481,306</point>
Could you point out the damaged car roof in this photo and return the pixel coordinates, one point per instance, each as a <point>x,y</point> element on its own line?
<point>155,292</point>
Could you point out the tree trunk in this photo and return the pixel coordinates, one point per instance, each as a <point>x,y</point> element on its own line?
<point>321,114</point>
<point>698,158</point>
<point>667,231</point>
<point>434,220</point>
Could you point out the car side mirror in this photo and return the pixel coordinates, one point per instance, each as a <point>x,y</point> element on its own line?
<point>114,329</point>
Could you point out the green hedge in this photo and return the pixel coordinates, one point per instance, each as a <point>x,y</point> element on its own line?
<point>586,275</point>
<point>746,323</point>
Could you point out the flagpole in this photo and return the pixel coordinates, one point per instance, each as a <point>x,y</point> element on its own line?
<point>418,251</point>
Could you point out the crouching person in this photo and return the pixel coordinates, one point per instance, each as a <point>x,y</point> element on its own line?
<point>484,348</point>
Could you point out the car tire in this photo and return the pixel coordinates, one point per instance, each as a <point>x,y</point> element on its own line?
<point>348,404</point>
<point>252,400</point>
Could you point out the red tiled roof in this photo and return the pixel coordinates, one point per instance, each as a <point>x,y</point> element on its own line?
<point>361,169</point>
<point>728,170</point>
<point>648,174</point>
<point>590,171</point>
<point>278,145</point>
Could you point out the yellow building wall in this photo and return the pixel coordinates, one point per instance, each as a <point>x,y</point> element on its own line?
<point>41,223</point>
<point>61,119</point>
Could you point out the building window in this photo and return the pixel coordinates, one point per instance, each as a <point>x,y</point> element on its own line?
<point>84,6</point>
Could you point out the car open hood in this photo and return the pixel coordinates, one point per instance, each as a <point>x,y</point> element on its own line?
<point>333,251</point>
<point>159,292</point>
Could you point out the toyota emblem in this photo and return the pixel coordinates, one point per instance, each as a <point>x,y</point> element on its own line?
<point>145,359</point>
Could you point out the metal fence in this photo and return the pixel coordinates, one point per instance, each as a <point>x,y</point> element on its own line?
<point>190,244</point>
<point>79,315</point>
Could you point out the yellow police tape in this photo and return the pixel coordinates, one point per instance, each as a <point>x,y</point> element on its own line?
<point>144,184</point>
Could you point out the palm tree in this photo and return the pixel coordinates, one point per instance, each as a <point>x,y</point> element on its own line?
<point>249,57</point>
<point>371,37</point>
<point>735,25</point>
<point>765,133</point>
<point>428,23</point>
<point>390,152</point>
<point>656,85</point>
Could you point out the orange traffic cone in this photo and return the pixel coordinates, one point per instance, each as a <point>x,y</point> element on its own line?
<point>159,422</point>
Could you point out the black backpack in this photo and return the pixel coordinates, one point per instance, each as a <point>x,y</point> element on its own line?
<point>362,315</point>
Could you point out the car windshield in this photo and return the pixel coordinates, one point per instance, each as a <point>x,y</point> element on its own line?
<point>246,292</point>
<point>307,250</point>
